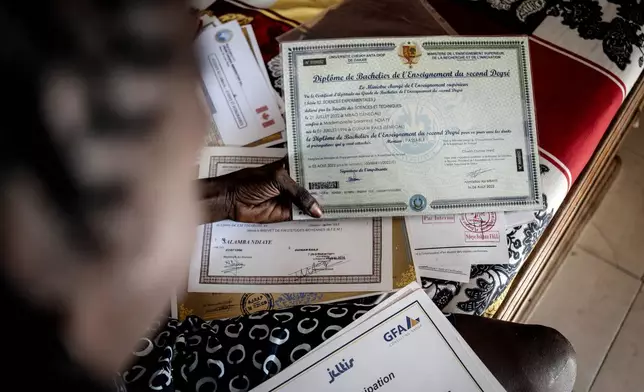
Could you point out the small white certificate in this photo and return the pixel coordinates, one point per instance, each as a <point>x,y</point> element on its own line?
<point>242,104</point>
<point>412,125</point>
<point>408,346</point>
<point>320,255</point>
<point>446,246</point>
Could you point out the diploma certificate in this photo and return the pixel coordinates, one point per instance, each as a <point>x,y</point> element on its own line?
<point>320,255</point>
<point>412,126</point>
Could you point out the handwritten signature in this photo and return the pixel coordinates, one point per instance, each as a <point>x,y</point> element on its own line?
<point>353,178</point>
<point>317,266</point>
<point>477,172</point>
<point>341,367</point>
<point>232,267</point>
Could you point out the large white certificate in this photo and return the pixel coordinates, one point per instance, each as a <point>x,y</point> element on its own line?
<point>320,255</point>
<point>407,345</point>
<point>412,126</point>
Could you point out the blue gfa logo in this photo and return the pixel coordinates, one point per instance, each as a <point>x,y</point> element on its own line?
<point>399,329</point>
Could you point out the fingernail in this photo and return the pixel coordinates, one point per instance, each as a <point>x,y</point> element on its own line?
<point>316,211</point>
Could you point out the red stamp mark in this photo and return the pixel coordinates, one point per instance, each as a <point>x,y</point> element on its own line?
<point>429,219</point>
<point>478,222</point>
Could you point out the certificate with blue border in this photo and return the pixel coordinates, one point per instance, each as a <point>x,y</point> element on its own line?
<point>412,125</point>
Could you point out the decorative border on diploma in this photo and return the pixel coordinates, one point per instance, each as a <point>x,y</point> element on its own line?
<point>298,169</point>
<point>363,208</point>
<point>520,46</point>
<point>245,160</point>
<point>535,197</point>
<point>294,279</point>
<point>397,314</point>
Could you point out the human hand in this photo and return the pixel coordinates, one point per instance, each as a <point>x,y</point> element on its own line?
<point>256,195</point>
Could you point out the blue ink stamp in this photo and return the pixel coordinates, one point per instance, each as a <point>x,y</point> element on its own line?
<point>223,36</point>
<point>417,203</point>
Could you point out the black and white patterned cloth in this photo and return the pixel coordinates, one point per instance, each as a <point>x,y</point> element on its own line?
<point>487,282</point>
<point>235,354</point>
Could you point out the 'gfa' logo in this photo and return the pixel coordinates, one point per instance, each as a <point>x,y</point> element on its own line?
<point>400,329</point>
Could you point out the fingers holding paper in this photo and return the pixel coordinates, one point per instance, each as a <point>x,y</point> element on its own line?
<point>263,194</point>
<point>296,193</point>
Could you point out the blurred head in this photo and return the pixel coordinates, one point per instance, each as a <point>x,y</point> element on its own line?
<point>98,206</point>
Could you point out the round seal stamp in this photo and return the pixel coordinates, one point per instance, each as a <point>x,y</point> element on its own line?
<point>478,222</point>
<point>223,36</point>
<point>417,203</point>
<point>256,302</point>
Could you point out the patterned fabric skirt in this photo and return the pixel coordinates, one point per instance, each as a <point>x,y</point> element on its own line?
<point>234,354</point>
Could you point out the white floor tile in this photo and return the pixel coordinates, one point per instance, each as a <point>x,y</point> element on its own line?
<point>616,231</point>
<point>587,302</point>
<point>623,369</point>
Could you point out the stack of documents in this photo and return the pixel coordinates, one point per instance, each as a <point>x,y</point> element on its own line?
<point>440,130</point>
<point>245,109</point>
<point>387,349</point>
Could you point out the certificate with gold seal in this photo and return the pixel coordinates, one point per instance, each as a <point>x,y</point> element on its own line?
<point>412,125</point>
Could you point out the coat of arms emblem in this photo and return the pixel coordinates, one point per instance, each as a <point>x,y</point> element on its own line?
<point>408,53</point>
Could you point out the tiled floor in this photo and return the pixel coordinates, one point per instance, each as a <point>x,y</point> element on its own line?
<point>596,299</point>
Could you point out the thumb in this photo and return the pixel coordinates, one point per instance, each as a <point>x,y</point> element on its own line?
<point>298,195</point>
